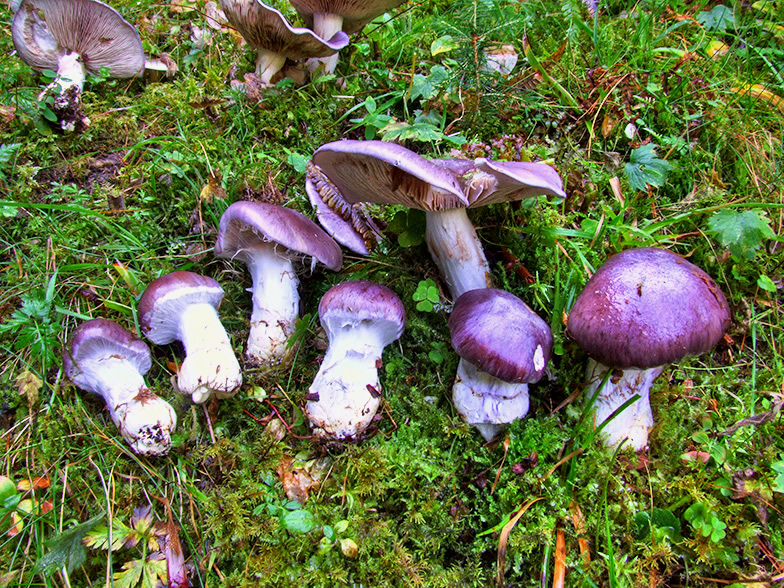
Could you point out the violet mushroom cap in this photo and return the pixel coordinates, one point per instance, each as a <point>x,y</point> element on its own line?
<point>503,346</point>
<point>643,309</point>
<point>328,17</point>
<point>267,238</point>
<point>103,358</point>
<point>387,173</point>
<point>267,30</point>
<point>73,38</point>
<point>360,319</point>
<point>183,306</point>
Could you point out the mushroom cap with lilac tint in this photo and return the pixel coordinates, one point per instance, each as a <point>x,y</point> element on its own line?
<point>265,27</point>
<point>246,224</point>
<point>45,30</point>
<point>164,300</point>
<point>359,302</point>
<point>98,338</point>
<point>499,334</point>
<point>388,173</point>
<point>355,13</point>
<point>648,307</point>
<point>485,181</point>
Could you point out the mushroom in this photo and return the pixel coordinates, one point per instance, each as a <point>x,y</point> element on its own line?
<point>183,306</point>
<point>267,238</point>
<point>74,38</point>
<point>268,31</point>
<point>387,173</point>
<point>360,319</point>
<point>503,346</point>
<point>643,309</point>
<point>328,17</point>
<point>105,359</point>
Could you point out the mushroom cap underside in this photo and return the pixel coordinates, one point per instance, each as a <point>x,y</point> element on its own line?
<point>101,338</point>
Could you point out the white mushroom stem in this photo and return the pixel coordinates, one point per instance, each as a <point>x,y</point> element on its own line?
<point>275,304</point>
<point>144,420</point>
<point>457,251</point>
<point>637,419</point>
<point>326,26</point>
<point>70,72</point>
<point>210,366</point>
<point>487,402</point>
<point>268,63</point>
<point>347,385</point>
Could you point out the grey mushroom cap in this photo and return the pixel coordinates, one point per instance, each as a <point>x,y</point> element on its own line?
<point>499,334</point>
<point>246,223</point>
<point>45,30</point>
<point>165,298</point>
<point>648,307</point>
<point>355,13</point>
<point>265,27</point>
<point>98,338</point>
<point>387,173</point>
<point>362,302</point>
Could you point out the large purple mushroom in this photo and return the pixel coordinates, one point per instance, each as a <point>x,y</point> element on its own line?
<point>643,309</point>
<point>503,346</point>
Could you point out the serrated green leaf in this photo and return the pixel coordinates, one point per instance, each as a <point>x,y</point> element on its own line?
<point>645,168</point>
<point>66,549</point>
<point>719,19</point>
<point>741,232</point>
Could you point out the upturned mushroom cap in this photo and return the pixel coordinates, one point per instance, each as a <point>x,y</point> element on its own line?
<point>165,298</point>
<point>499,334</point>
<point>355,13</point>
<point>648,307</point>
<point>387,173</point>
<point>102,338</point>
<point>45,30</point>
<point>359,302</point>
<point>264,27</point>
<point>247,223</point>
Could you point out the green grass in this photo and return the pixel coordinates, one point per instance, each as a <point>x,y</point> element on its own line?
<point>423,500</point>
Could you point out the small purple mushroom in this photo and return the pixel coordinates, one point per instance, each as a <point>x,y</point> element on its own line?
<point>503,346</point>
<point>643,309</point>
<point>183,306</point>
<point>105,359</point>
<point>360,319</point>
<point>268,238</point>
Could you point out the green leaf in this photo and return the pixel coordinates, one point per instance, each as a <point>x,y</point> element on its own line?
<point>766,283</point>
<point>409,225</point>
<point>719,19</point>
<point>298,521</point>
<point>66,549</point>
<point>778,482</point>
<point>741,232</point>
<point>645,168</point>
<point>298,162</point>
<point>443,44</point>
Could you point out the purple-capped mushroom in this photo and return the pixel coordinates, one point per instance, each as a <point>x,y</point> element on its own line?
<point>268,238</point>
<point>360,318</point>
<point>503,346</point>
<point>643,309</point>
<point>103,358</point>
<point>74,38</point>
<point>267,30</point>
<point>183,306</point>
<point>387,173</point>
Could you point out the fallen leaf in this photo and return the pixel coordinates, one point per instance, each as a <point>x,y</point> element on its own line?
<point>28,385</point>
<point>761,92</point>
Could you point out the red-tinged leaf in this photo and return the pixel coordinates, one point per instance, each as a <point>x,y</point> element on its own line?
<point>702,456</point>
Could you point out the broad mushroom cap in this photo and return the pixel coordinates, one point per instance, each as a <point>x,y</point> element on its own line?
<point>265,27</point>
<point>362,302</point>
<point>43,31</point>
<point>648,307</point>
<point>247,223</point>
<point>102,338</point>
<point>355,13</point>
<point>498,333</point>
<point>388,173</point>
<point>166,297</point>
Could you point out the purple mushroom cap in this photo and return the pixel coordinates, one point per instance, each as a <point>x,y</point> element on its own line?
<point>362,302</point>
<point>499,334</point>
<point>648,307</point>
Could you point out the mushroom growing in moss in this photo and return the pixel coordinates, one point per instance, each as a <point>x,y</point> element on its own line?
<point>643,309</point>
<point>105,359</point>
<point>74,38</point>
